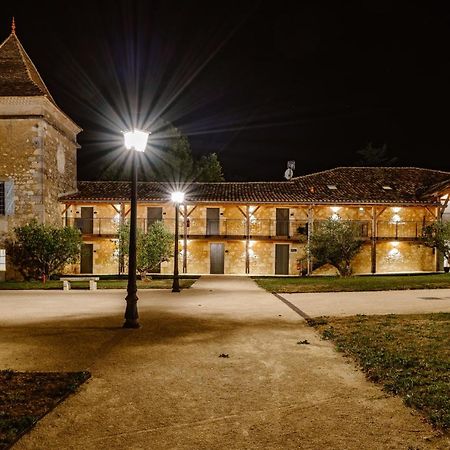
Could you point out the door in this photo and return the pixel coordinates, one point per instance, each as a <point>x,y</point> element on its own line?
<point>87,258</point>
<point>282,228</point>
<point>212,221</point>
<point>86,222</point>
<point>153,215</point>
<point>216,258</point>
<point>281,259</point>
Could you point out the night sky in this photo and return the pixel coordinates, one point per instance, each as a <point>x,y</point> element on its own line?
<point>257,82</point>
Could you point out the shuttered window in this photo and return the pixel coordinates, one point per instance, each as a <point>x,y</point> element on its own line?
<point>2,198</point>
<point>2,260</point>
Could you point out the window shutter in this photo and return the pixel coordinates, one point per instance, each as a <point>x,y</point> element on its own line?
<point>9,197</point>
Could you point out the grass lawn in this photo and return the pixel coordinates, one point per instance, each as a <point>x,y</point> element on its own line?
<point>163,283</point>
<point>357,283</point>
<point>27,396</point>
<point>408,354</point>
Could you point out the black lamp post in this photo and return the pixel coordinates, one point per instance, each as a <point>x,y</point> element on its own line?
<point>177,198</point>
<point>136,141</point>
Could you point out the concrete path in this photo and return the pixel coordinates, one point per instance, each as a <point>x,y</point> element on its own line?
<point>165,387</point>
<point>381,302</point>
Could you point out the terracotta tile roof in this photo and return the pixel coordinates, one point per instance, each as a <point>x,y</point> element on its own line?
<point>18,75</point>
<point>353,185</point>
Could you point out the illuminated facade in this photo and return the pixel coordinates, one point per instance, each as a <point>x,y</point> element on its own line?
<point>232,228</point>
<point>262,228</point>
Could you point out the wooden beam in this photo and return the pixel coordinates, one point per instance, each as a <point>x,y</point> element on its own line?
<point>378,214</point>
<point>247,240</point>
<point>68,205</point>
<point>185,216</point>
<point>192,210</point>
<point>373,249</point>
<point>431,212</point>
<point>242,212</point>
<point>115,209</point>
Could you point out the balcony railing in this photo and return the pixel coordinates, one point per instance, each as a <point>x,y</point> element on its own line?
<point>260,228</point>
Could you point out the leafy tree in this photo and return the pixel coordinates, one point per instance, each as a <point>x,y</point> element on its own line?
<point>169,158</point>
<point>39,251</point>
<point>210,169</point>
<point>437,235</point>
<point>336,242</point>
<point>152,247</point>
<point>376,156</point>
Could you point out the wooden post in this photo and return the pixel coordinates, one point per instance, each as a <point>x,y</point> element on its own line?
<point>247,240</point>
<point>185,218</point>
<point>373,253</point>
<point>310,232</point>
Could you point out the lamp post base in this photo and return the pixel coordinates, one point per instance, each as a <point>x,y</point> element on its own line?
<point>131,324</point>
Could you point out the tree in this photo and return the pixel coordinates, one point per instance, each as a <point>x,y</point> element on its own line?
<point>336,242</point>
<point>168,158</point>
<point>376,156</point>
<point>210,169</point>
<point>39,251</point>
<point>152,247</point>
<point>437,235</point>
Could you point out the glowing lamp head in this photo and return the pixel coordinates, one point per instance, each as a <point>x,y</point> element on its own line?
<point>177,197</point>
<point>136,140</point>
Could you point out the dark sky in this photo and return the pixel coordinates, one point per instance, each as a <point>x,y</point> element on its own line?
<point>257,82</point>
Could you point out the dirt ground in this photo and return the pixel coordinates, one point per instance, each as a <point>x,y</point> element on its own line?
<point>164,386</point>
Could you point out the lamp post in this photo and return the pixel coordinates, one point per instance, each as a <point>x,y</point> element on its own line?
<point>137,142</point>
<point>177,198</point>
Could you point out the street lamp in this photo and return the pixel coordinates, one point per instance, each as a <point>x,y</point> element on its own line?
<point>134,140</point>
<point>177,198</point>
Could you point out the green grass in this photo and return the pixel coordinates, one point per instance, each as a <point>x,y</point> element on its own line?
<point>164,283</point>
<point>356,283</point>
<point>27,396</point>
<point>408,354</point>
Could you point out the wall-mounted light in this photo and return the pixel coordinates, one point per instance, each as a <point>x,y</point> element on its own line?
<point>395,218</point>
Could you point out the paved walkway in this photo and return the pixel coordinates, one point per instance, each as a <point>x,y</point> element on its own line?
<point>164,386</point>
<point>381,302</point>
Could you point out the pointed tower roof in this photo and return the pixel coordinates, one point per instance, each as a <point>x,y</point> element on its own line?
<point>18,75</point>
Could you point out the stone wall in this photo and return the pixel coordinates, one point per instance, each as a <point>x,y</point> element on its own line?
<point>411,256</point>
<point>38,153</point>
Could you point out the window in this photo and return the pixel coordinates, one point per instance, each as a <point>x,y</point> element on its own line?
<point>2,198</point>
<point>331,186</point>
<point>2,260</point>
<point>387,188</point>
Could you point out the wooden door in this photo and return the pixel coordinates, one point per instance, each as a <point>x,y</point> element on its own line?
<point>216,258</point>
<point>87,258</point>
<point>282,228</point>
<point>212,221</point>
<point>154,213</point>
<point>281,259</point>
<point>86,222</point>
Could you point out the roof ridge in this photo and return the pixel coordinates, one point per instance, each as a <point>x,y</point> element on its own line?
<point>370,167</point>
<point>31,71</point>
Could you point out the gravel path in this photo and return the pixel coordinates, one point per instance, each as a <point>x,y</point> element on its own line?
<point>164,386</point>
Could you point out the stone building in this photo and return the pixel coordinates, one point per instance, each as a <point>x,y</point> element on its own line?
<point>37,146</point>
<point>263,227</point>
<point>232,228</point>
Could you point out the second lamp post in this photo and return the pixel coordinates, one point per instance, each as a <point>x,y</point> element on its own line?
<point>177,198</point>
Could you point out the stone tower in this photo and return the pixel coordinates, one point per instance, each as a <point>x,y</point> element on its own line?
<point>37,145</point>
